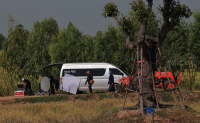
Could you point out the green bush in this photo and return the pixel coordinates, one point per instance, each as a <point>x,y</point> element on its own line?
<point>197,86</point>
<point>2,91</point>
<point>184,84</point>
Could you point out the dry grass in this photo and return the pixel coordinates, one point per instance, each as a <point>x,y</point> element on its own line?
<point>195,106</point>
<point>70,111</point>
<point>197,78</point>
<point>95,109</point>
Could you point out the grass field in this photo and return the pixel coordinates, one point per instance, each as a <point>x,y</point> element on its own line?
<point>98,108</point>
<point>74,110</point>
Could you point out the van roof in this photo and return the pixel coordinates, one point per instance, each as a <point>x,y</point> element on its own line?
<point>80,63</point>
<point>88,63</point>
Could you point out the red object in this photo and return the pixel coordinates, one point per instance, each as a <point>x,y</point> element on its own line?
<point>19,93</point>
<point>159,79</point>
<point>125,80</point>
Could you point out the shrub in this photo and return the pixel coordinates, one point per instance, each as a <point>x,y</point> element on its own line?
<point>184,84</point>
<point>197,86</point>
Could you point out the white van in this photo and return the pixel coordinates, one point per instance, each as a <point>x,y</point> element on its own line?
<point>99,71</point>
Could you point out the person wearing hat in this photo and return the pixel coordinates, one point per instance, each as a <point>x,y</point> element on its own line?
<point>27,85</point>
<point>89,77</point>
<point>111,82</point>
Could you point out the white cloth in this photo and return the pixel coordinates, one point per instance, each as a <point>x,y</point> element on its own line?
<point>70,83</point>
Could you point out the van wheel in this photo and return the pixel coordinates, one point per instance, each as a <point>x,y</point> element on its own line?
<point>117,88</point>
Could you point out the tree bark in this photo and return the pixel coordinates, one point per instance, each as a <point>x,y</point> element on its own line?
<point>149,100</point>
<point>149,54</point>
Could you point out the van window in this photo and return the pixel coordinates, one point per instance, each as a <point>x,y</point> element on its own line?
<point>82,72</point>
<point>115,71</point>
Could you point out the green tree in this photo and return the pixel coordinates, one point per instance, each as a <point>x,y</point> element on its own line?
<point>14,50</point>
<point>177,47</point>
<point>109,47</point>
<point>37,52</point>
<point>172,12</point>
<point>194,41</point>
<point>71,46</point>
<point>67,46</point>
<point>2,39</point>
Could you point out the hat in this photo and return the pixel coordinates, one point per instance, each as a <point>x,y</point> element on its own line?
<point>88,72</point>
<point>110,72</point>
<point>22,79</point>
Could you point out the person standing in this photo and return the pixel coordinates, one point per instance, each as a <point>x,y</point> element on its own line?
<point>51,84</point>
<point>56,82</point>
<point>89,78</point>
<point>27,85</point>
<point>111,82</point>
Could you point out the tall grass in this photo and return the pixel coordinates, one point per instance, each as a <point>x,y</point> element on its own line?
<point>63,111</point>
<point>5,88</point>
<point>184,83</point>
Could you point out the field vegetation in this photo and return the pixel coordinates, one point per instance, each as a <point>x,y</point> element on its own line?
<point>95,107</point>
<point>23,53</point>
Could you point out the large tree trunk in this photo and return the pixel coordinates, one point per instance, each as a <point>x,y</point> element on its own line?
<point>149,57</point>
<point>148,68</point>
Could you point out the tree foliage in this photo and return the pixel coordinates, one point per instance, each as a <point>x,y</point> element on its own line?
<point>38,53</point>
<point>194,38</point>
<point>25,52</point>
<point>110,10</point>
<point>175,12</point>
<point>2,39</point>
<point>140,10</point>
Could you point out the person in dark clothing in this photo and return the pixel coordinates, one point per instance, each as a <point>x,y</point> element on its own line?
<point>51,84</point>
<point>89,77</point>
<point>111,82</point>
<point>27,85</point>
<point>56,82</point>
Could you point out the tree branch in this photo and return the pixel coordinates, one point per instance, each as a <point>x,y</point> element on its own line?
<point>165,24</point>
<point>143,27</point>
<point>117,21</point>
<point>128,44</point>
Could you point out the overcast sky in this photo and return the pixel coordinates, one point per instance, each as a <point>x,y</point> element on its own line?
<point>84,14</point>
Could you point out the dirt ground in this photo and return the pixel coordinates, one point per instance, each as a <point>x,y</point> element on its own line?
<point>185,94</point>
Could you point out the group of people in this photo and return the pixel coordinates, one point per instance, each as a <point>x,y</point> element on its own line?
<point>110,81</point>
<point>27,85</point>
<point>28,91</point>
